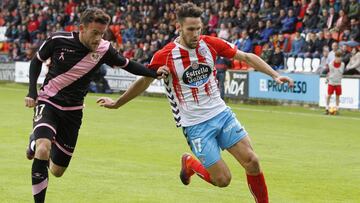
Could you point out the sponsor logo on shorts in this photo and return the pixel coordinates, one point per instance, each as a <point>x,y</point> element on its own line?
<point>228,128</point>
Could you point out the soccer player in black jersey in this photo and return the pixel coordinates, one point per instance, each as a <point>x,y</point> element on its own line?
<point>75,57</point>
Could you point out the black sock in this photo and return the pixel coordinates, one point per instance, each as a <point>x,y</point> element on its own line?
<point>39,173</point>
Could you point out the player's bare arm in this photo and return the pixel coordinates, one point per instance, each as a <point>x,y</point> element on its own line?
<point>34,72</point>
<point>134,90</point>
<point>260,65</point>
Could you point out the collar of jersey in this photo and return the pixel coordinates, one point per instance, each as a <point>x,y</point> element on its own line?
<point>182,46</point>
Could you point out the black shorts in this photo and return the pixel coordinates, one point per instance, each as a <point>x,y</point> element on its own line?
<point>61,127</point>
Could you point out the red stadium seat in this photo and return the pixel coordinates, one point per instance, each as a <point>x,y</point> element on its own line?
<point>258,50</point>
<point>298,25</point>
<point>244,65</point>
<point>117,29</point>
<point>69,28</point>
<point>111,27</point>
<point>119,38</point>
<point>236,65</point>
<point>6,46</point>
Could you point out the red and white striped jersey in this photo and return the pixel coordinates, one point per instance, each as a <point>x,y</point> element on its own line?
<point>191,87</point>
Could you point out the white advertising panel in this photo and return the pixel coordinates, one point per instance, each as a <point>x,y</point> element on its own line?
<point>119,79</point>
<point>157,86</point>
<point>350,93</point>
<point>22,72</point>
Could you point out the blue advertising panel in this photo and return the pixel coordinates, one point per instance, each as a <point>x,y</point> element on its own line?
<point>306,87</point>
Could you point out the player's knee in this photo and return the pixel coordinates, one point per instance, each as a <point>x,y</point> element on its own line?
<point>43,150</point>
<point>222,180</point>
<point>253,164</point>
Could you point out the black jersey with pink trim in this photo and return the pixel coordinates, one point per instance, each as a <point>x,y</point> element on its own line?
<point>71,68</point>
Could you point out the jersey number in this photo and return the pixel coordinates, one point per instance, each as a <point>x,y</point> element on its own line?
<point>197,145</point>
<point>39,109</point>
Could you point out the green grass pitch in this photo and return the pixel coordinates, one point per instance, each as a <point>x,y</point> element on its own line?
<point>133,155</point>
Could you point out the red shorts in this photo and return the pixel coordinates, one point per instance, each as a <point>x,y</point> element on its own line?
<point>334,88</point>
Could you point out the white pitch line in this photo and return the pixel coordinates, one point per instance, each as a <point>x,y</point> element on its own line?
<point>237,108</point>
<point>297,113</point>
<point>279,112</point>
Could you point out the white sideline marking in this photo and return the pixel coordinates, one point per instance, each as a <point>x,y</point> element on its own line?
<point>297,113</point>
<point>237,108</point>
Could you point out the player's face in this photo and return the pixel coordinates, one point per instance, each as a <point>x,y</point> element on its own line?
<point>190,30</point>
<point>91,34</point>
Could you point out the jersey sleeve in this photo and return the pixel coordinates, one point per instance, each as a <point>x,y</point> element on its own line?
<point>114,58</point>
<point>46,49</point>
<point>158,60</point>
<point>222,47</point>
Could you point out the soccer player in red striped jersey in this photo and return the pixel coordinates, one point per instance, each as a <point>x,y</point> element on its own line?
<point>191,87</point>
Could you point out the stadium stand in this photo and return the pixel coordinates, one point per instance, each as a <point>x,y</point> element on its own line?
<point>151,24</point>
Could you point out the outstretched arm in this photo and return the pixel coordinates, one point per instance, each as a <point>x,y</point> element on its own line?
<point>134,90</point>
<point>260,65</point>
<point>136,68</point>
<point>34,72</point>
<point>139,69</point>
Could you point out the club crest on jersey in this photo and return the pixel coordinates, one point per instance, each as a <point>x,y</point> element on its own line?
<point>196,74</point>
<point>195,65</point>
<point>95,56</point>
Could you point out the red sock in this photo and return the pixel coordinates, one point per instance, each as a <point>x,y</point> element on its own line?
<point>258,188</point>
<point>199,169</point>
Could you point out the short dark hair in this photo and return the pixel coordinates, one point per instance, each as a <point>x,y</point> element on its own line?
<point>94,15</point>
<point>188,10</point>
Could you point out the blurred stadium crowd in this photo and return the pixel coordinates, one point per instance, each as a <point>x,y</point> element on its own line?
<point>292,35</point>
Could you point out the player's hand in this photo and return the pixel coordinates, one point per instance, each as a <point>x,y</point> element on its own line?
<point>107,103</point>
<point>284,79</point>
<point>162,72</point>
<point>30,102</point>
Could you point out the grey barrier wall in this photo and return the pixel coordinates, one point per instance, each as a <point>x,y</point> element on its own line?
<point>7,71</point>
